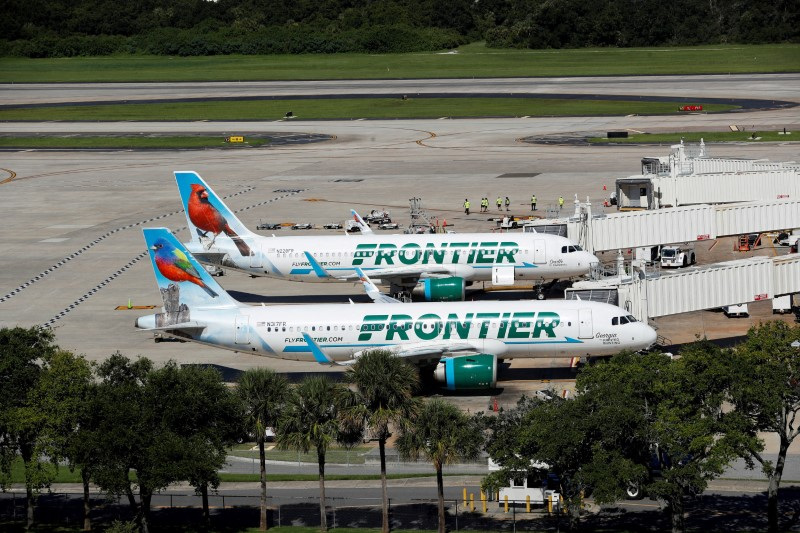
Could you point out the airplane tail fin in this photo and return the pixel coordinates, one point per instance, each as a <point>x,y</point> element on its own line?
<point>183,282</point>
<point>207,215</point>
<point>363,226</point>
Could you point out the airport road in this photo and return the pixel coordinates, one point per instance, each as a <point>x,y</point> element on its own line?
<point>73,249</point>
<point>743,86</point>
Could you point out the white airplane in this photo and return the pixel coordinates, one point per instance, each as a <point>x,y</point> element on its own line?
<point>442,264</point>
<point>458,342</point>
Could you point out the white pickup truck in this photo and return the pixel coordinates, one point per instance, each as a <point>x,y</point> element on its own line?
<point>537,484</point>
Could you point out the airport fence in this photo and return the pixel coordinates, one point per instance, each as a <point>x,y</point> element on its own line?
<point>173,509</point>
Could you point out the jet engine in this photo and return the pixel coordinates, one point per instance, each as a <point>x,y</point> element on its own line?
<point>467,372</point>
<point>440,289</point>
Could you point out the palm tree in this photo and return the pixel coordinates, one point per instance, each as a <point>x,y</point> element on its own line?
<point>443,435</point>
<point>312,418</point>
<point>263,394</point>
<point>385,387</point>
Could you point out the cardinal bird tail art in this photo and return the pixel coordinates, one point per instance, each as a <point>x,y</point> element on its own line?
<point>181,279</point>
<point>210,221</point>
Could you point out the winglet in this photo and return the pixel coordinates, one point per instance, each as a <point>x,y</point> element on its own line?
<point>318,270</point>
<point>317,352</point>
<point>362,225</point>
<point>372,291</point>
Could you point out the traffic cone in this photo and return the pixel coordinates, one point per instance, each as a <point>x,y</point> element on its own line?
<point>604,187</point>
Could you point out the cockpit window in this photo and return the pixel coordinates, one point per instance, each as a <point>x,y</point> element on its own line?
<point>570,249</point>
<point>623,320</point>
<point>631,319</point>
<point>578,248</point>
<point>615,321</point>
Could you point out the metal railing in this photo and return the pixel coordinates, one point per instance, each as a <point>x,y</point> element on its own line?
<point>167,509</point>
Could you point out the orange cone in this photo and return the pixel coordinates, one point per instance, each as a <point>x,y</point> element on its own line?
<point>604,187</point>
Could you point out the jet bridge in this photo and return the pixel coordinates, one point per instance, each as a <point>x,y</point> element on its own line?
<point>685,159</point>
<point>654,294</point>
<point>635,229</point>
<point>689,176</point>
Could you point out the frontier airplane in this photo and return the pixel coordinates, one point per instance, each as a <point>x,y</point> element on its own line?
<point>459,343</point>
<point>441,264</point>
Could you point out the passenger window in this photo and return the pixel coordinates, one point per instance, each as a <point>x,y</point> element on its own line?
<point>615,321</point>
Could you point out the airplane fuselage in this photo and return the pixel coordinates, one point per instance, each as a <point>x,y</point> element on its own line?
<point>508,330</point>
<point>471,256</point>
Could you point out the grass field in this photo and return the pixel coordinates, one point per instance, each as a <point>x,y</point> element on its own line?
<point>126,142</point>
<point>707,136</point>
<point>348,108</point>
<point>473,60</point>
<point>64,475</point>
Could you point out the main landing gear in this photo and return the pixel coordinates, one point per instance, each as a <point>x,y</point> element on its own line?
<point>541,289</point>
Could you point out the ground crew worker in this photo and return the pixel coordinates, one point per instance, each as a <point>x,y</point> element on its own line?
<point>466,206</point>
<point>560,202</point>
<point>533,202</point>
<point>484,204</point>
<point>499,203</point>
<point>508,203</point>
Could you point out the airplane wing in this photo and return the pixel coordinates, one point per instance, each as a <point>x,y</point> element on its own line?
<point>420,271</point>
<point>373,292</point>
<point>414,353</point>
<point>438,349</point>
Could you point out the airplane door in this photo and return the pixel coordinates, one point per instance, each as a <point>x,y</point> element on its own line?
<point>585,330</point>
<point>242,333</point>
<point>256,257</point>
<point>539,252</point>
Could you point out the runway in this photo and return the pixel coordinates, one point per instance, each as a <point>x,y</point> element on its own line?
<point>741,86</point>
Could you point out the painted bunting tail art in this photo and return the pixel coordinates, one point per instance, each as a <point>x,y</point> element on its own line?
<point>175,266</point>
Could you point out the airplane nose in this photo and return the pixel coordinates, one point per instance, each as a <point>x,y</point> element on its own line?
<point>588,259</point>
<point>651,336</point>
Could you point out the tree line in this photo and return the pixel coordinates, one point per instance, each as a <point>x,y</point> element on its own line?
<point>62,28</point>
<point>132,428</point>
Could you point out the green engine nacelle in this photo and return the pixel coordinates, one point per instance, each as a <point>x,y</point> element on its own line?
<point>440,289</point>
<point>467,372</point>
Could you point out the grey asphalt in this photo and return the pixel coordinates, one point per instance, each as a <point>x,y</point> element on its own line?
<point>741,86</point>
<point>73,250</point>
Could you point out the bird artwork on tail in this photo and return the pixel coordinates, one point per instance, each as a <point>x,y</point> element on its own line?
<point>207,218</point>
<point>175,266</point>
